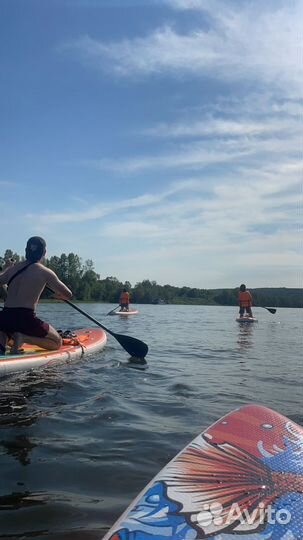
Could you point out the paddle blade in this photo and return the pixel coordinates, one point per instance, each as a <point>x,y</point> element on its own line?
<point>133,346</point>
<point>271,310</point>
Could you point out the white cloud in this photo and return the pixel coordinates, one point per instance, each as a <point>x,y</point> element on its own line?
<point>218,127</point>
<point>242,42</point>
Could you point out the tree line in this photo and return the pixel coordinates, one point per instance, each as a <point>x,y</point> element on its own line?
<point>87,286</point>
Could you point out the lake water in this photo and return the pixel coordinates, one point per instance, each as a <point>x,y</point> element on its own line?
<point>78,442</point>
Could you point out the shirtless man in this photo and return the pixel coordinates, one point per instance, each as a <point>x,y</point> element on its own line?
<point>26,281</point>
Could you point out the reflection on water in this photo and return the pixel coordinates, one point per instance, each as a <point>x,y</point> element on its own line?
<point>17,500</point>
<point>16,400</point>
<point>245,336</point>
<point>79,441</point>
<point>19,447</point>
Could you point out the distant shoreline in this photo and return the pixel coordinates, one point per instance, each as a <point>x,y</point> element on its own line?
<point>49,301</point>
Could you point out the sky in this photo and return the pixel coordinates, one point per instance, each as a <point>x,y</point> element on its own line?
<point>161,139</point>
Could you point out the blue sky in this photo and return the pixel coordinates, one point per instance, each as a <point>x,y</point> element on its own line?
<point>159,138</point>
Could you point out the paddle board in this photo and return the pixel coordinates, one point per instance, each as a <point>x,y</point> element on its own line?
<point>246,319</point>
<point>87,340</point>
<point>126,313</point>
<point>241,478</point>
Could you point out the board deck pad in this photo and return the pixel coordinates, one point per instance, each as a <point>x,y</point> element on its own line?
<point>242,478</point>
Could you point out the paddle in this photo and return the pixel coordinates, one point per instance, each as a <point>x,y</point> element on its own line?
<point>112,311</point>
<point>271,310</point>
<point>133,346</point>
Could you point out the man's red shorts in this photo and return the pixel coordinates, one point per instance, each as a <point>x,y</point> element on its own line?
<point>23,320</point>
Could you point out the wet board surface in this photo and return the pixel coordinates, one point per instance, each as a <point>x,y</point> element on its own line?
<point>241,478</point>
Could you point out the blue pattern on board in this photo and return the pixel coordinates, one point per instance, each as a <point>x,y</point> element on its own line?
<point>156,517</point>
<point>290,460</point>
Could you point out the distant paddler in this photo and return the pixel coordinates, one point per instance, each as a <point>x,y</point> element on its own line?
<point>124,300</point>
<point>245,301</point>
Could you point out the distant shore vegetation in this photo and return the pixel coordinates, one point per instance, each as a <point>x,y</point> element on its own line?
<point>87,286</point>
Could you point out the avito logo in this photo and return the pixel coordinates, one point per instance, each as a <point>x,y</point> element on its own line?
<point>214,514</point>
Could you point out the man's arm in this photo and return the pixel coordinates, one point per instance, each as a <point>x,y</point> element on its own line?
<point>61,291</point>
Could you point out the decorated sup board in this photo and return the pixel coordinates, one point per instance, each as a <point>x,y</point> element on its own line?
<point>246,319</point>
<point>80,343</point>
<point>241,478</point>
<point>126,313</point>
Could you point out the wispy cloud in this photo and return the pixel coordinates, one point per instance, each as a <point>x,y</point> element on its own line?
<point>244,41</point>
<point>215,249</point>
<point>99,211</point>
<point>224,208</point>
<point>199,154</point>
<point>220,127</point>
<point>194,156</point>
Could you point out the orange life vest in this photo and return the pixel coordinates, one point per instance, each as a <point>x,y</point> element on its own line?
<point>124,298</point>
<point>245,299</point>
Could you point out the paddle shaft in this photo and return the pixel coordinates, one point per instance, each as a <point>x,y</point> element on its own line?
<point>89,317</point>
<point>112,311</point>
<point>133,346</point>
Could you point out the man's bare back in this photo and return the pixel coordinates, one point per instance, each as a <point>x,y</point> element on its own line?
<point>26,288</point>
